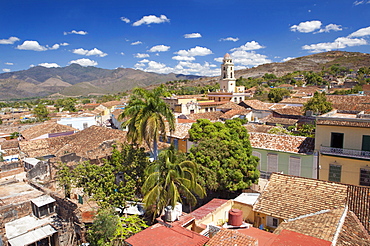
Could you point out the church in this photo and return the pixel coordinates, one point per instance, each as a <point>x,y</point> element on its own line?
<point>228,90</point>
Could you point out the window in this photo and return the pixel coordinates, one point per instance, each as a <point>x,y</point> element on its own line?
<point>272,162</point>
<point>365,177</point>
<point>337,140</point>
<point>176,143</point>
<point>85,125</point>
<point>257,154</point>
<point>335,172</point>
<point>294,166</point>
<point>272,222</point>
<point>365,143</point>
<point>69,125</point>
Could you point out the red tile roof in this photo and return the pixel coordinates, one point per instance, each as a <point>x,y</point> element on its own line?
<point>159,235</point>
<point>264,238</point>
<point>208,208</point>
<point>227,237</point>
<point>287,238</point>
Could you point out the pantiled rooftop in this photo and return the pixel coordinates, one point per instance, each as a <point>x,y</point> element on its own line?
<point>285,143</point>
<point>289,111</point>
<point>227,237</point>
<point>288,197</point>
<point>45,128</point>
<point>278,120</point>
<point>258,128</point>
<point>208,208</point>
<point>254,104</point>
<point>212,116</point>
<point>341,122</point>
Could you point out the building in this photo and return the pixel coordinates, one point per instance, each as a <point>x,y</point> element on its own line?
<point>293,155</point>
<point>228,89</point>
<point>343,144</point>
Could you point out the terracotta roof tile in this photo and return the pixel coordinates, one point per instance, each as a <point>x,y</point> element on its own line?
<point>234,112</point>
<point>45,128</point>
<point>181,131</point>
<point>230,105</point>
<point>255,104</point>
<point>322,225</point>
<point>227,237</point>
<point>289,197</point>
<point>278,120</point>
<point>208,208</point>
<point>299,100</point>
<point>353,232</point>
<point>292,238</point>
<point>111,103</point>
<point>285,143</point>
<point>159,235</point>
<point>289,111</point>
<point>258,128</point>
<point>212,116</point>
<point>341,122</point>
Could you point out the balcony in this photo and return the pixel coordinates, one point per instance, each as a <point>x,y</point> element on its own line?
<point>352,153</point>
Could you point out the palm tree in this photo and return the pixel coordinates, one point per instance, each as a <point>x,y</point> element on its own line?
<point>147,114</point>
<point>169,182</point>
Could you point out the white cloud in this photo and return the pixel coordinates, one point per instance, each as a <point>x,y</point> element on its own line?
<point>136,43</point>
<point>159,48</point>
<point>9,63</point>
<point>54,47</point>
<point>144,61</point>
<point>229,39</point>
<point>193,35</point>
<point>183,67</point>
<point>245,58</point>
<point>10,40</point>
<point>183,58</point>
<point>6,70</point>
<point>330,27</point>
<point>31,45</point>
<point>253,45</point>
<point>360,2</point>
<point>306,27</point>
<point>48,65</point>
<point>339,43</point>
<point>361,32</point>
<point>84,62</point>
<point>93,52</point>
<point>64,44</point>
<point>196,51</point>
<point>122,53</point>
<point>124,19</point>
<point>141,55</point>
<point>287,59</point>
<point>151,19</point>
<point>76,32</point>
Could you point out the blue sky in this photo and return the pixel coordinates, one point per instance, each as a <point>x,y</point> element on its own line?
<point>179,36</point>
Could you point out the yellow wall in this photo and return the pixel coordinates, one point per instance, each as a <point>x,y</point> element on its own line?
<point>350,168</point>
<point>219,216</point>
<point>248,214</point>
<point>263,221</point>
<point>352,136</point>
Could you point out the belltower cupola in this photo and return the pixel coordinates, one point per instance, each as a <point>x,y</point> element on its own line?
<point>227,80</point>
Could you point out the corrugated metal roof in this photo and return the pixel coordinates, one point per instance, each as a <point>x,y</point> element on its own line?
<point>33,236</point>
<point>43,200</point>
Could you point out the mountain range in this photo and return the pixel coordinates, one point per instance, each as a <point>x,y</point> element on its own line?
<point>76,80</point>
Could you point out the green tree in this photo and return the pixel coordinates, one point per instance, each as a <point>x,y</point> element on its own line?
<point>110,229</point>
<point>224,154</point>
<point>118,180</point>
<point>41,112</point>
<point>147,114</point>
<point>14,135</point>
<point>278,94</point>
<point>318,104</point>
<point>170,181</point>
<point>279,130</point>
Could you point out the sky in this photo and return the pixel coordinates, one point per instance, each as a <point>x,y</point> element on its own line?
<point>176,36</point>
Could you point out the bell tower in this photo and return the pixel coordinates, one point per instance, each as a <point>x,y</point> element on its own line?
<point>227,81</point>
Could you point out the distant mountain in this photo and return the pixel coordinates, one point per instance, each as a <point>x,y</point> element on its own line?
<point>75,80</point>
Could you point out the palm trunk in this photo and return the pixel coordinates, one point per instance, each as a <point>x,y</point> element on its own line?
<point>155,149</point>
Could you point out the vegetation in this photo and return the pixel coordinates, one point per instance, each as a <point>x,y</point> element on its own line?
<point>147,114</point>
<point>170,181</point>
<point>278,94</point>
<point>41,112</point>
<point>111,229</point>
<point>112,184</point>
<point>224,154</point>
<point>318,104</point>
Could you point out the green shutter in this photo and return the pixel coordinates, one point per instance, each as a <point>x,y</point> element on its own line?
<point>335,172</point>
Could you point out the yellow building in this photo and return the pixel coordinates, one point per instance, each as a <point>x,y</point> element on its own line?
<point>343,143</point>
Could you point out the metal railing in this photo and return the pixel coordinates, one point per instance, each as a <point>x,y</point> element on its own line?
<point>363,154</point>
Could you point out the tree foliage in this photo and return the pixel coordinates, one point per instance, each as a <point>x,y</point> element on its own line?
<point>318,104</point>
<point>224,154</point>
<point>112,184</point>
<point>170,181</point>
<point>110,229</point>
<point>278,94</point>
<point>41,112</point>
<point>147,115</point>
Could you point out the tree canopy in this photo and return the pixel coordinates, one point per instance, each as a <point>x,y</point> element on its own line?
<point>318,104</point>
<point>147,114</point>
<point>278,94</point>
<point>224,154</point>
